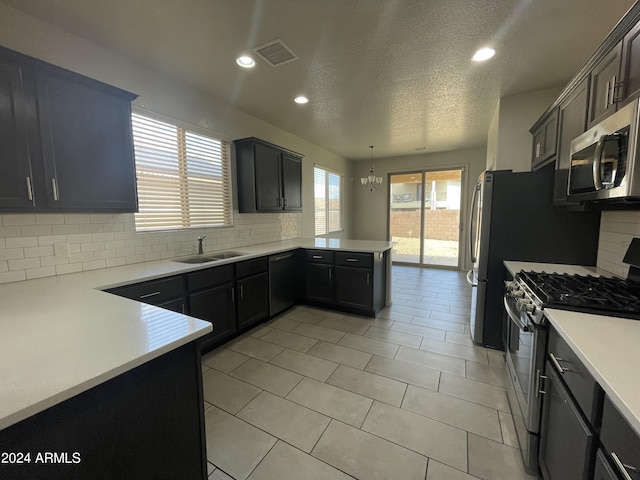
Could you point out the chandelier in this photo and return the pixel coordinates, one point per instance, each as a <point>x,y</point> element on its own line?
<point>371,182</point>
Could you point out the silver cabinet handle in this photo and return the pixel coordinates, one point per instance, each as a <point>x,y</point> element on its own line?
<point>317,257</point>
<point>54,186</point>
<point>330,274</point>
<point>556,363</point>
<point>622,468</point>
<point>241,292</point>
<point>233,295</point>
<point>152,294</point>
<point>368,278</point>
<point>606,95</point>
<point>537,149</point>
<point>184,310</point>
<point>283,257</point>
<point>29,189</point>
<point>352,259</point>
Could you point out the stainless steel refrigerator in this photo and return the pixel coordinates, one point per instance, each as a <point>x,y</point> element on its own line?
<point>512,218</point>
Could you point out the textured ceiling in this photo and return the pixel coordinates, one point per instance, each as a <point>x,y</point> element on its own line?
<point>395,74</point>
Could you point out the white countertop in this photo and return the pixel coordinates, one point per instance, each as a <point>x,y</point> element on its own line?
<point>60,336</point>
<point>609,347</point>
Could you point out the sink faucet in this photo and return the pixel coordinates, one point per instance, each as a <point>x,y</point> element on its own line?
<point>200,239</point>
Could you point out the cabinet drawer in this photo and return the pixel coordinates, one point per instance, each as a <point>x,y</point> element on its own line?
<point>154,291</point>
<point>249,268</point>
<point>318,256</point>
<point>582,385</point>
<point>209,278</point>
<point>620,439</point>
<point>354,259</point>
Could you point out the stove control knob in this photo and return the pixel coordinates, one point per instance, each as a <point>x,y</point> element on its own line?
<point>510,286</point>
<point>531,308</point>
<point>517,294</point>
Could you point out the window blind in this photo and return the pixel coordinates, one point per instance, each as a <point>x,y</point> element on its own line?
<point>328,201</point>
<point>183,177</point>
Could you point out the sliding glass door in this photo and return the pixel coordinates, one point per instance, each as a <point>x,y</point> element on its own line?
<point>424,217</point>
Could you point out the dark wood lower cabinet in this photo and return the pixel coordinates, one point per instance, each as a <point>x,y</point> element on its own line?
<point>354,287</point>
<point>567,442</point>
<point>216,306</point>
<point>147,423</point>
<point>253,300</point>
<point>318,283</point>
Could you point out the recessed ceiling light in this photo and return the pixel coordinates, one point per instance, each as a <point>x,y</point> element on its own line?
<point>301,99</point>
<point>483,54</point>
<point>245,61</point>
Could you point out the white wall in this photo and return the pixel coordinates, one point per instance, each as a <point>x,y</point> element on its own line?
<point>370,209</point>
<point>509,141</point>
<point>165,96</point>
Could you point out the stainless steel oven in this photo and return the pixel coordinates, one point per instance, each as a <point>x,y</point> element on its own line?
<point>525,351</point>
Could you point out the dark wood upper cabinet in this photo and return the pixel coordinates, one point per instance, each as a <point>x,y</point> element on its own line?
<point>572,123</point>
<point>269,177</point>
<point>545,135</point>
<point>66,140</point>
<point>15,160</point>
<point>630,71</point>
<point>604,81</point>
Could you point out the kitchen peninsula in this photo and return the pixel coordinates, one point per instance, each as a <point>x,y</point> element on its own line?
<point>123,377</point>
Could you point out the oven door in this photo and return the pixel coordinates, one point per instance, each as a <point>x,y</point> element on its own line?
<point>525,348</point>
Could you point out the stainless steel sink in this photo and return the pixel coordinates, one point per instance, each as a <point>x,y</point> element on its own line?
<point>198,259</point>
<point>225,255</point>
<point>213,257</point>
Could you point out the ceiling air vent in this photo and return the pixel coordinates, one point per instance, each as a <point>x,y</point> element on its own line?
<point>276,53</point>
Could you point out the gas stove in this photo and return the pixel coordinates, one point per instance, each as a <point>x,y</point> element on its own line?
<point>582,293</point>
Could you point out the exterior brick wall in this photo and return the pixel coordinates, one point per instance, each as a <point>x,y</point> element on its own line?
<point>439,224</point>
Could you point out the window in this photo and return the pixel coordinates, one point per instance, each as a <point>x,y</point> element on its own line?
<point>183,177</point>
<point>327,187</point>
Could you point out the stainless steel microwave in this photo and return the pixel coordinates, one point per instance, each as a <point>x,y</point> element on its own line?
<point>603,159</point>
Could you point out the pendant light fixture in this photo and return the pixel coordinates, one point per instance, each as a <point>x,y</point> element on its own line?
<point>371,182</point>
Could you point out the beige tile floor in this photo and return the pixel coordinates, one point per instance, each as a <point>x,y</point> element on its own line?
<point>316,394</point>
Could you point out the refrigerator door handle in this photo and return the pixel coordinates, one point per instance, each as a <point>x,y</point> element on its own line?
<point>472,215</point>
<point>469,279</point>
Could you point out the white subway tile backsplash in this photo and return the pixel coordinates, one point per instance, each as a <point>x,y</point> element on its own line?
<point>40,272</point>
<point>109,240</point>
<point>24,263</point>
<point>18,242</point>
<point>76,218</point>
<point>18,219</point>
<point>68,268</point>
<point>64,229</point>
<point>617,229</point>
<point>11,253</point>
<point>38,251</point>
<point>93,265</point>
<point>16,276</point>
<point>49,219</point>
<point>35,230</point>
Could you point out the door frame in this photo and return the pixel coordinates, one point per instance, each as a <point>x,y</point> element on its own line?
<point>462,226</point>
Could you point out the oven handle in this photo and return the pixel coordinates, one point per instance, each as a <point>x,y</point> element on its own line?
<point>514,317</point>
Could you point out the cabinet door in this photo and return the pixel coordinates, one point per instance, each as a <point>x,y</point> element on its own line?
<point>603,471</point>
<point>630,67</point>
<point>16,180</point>
<point>268,187</point>
<point>573,122</point>
<point>292,182</point>
<point>216,306</point>
<point>87,148</point>
<point>319,282</point>
<point>567,444</point>
<point>253,300</point>
<point>602,91</point>
<point>544,141</point>
<point>354,288</point>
